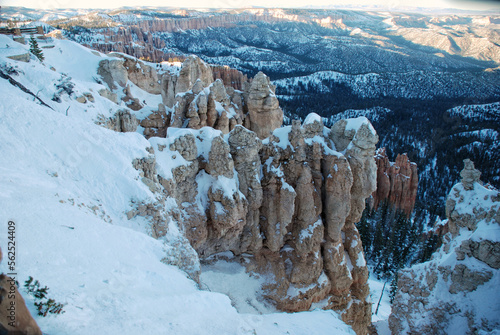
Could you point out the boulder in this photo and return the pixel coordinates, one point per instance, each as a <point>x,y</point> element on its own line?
<point>113,72</point>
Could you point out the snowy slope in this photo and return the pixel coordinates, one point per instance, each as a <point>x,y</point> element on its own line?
<point>456,292</point>
<point>68,183</point>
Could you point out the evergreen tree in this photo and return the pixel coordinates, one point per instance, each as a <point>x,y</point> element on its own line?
<point>365,233</point>
<point>394,286</point>
<point>35,49</point>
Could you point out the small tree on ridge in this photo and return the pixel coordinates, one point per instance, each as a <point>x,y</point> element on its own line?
<point>35,49</point>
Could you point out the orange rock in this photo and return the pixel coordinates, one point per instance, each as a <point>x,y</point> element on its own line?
<point>397,182</point>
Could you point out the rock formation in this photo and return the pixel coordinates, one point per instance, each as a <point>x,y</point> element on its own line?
<point>123,121</point>
<point>264,112</point>
<point>229,76</point>
<point>113,72</point>
<point>135,38</point>
<point>457,291</point>
<point>289,197</point>
<point>190,96</point>
<point>141,74</point>
<point>397,182</point>
<point>156,123</point>
<point>290,201</point>
<point>15,317</point>
<point>470,175</point>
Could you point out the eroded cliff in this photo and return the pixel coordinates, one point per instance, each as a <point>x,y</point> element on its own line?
<point>397,182</point>
<point>457,291</point>
<point>283,199</point>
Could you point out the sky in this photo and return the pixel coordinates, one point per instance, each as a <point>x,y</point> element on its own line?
<point>49,4</point>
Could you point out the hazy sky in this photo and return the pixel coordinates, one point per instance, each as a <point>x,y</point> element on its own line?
<point>460,4</point>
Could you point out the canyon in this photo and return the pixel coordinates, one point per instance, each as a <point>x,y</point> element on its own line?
<point>288,196</point>
<point>202,162</point>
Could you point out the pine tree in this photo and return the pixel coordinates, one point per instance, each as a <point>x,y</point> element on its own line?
<point>35,49</point>
<point>394,286</point>
<point>365,232</point>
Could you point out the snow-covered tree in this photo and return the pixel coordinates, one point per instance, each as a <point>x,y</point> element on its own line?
<point>35,49</point>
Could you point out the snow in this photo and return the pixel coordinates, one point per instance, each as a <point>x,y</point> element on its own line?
<point>171,67</point>
<point>468,201</point>
<point>313,117</point>
<point>166,160</point>
<point>309,231</point>
<point>204,181</point>
<point>286,186</point>
<point>294,291</point>
<point>101,271</point>
<point>219,108</point>
<point>151,100</point>
<point>377,290</point>
<point>348,260</point>
<point>282,135</point>
<point>10,48</point>
<point>228,186</point>
<point>203,136</point>
<point>244,289</point>
<point>325,146</point>
<point>68,183</point>
<point>225,274</point>
<point>356,123</point>
<point>486,231</point>
<point>360,261</point>
<point>73,59</point>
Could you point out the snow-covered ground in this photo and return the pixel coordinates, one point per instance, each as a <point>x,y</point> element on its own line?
<point>380,313</point>
<point>68,183</point>
<point>225,274</point>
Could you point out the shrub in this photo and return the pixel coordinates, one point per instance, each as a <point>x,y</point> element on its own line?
<point>44,304</point>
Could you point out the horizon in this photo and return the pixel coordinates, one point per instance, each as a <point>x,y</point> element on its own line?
<point>460,5</point>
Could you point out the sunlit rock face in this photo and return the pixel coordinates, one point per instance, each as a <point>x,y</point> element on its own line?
<point>455,292</point>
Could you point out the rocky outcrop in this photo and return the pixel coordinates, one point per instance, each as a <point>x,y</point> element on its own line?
<point>135,38</point>
<point>123,121</point>
<point>287,196</point>
<point>141,74</point>
<point>15,317</point>
<point>113,72</point>
<point>455,292</point>
<point>191,98</point>
<point>470,175</point>
<point>156,123</point>
<point>198,101</point>
<point>229,76</point>
<point>106,93</point>
<point>192,70</point>
<point>397,182</point>
<point>357,139</point>
<point>290,200</point>
<point>264,112</point>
